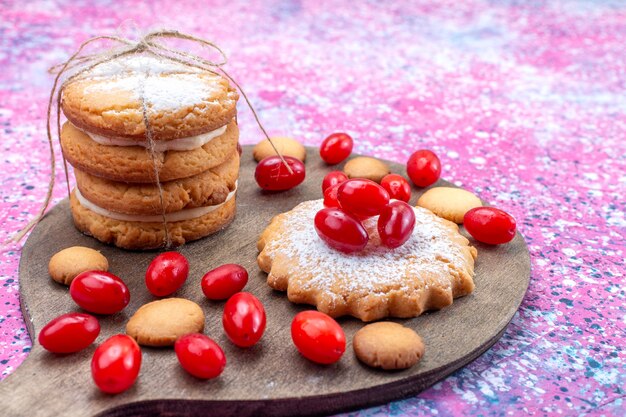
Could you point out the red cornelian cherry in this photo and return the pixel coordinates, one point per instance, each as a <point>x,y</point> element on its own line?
<point>340,230</point>
<point>224,281</point>
<point>423,168</point>
<point>200,355</point>
<point>318,337</point>
<point>272,175</point>
<point>244,319</point>
<point>490,225</point>
<point>99,292</point>
<point>336,148</point>
<point>116,363</point>
<point>69,333</point>
<point>333,178</point>
<point>167,273</point>
<point>362,198</point>
<point>395,224</point>
<point>397,186</point>
<point>330,196</point>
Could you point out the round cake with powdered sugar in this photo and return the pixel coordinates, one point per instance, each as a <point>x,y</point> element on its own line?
<point>433,267</point>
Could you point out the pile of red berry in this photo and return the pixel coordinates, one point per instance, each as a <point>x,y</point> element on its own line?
<point>349,202</point>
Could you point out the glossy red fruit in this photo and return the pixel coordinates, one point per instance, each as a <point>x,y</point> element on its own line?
<point>340,230</point>
<point>395,224</point>
<point>490,225</point>
<point>224,281</point>
<point>423,168</point>
<point>200,356</point>
<point>116,363</point>
<point>397,186</point>
<point>272,175</point>
<point>318,337</point>
<point>69,333</point>
<point>244,319</point>
<point>333,178</point>
<point>336,148</point>
<point>361,197</point>
<point>330,196</point>
<point>167,273</point>
<point>99,292</point>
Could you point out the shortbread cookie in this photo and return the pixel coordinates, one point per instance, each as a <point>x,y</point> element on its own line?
<point>135,164</point>
<point>366,167</point>
<point>179,101</point>
<point>388,345</point>
<point>149,235</point>
<point>435,265</point>
<point>449,203</point>
<point>67,264</point>
<point>286,146</point>
<point>161,322</point>
<point>205,189</point>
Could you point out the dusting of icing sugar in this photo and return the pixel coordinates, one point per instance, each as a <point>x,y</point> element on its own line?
<point>141,64</point>
<point>431,254</point>
<point>166,85</point>
<point>163,92</point>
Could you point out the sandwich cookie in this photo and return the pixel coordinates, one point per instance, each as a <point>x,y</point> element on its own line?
<point>208,188</point>
<point>109,100</point>
<point>148,232</point>
<point>135,163</point>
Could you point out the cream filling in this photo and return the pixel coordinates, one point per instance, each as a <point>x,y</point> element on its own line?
<point>183,144</point>
<point>177,216</point>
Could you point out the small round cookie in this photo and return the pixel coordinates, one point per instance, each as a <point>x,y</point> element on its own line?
<point>388,345</point>
<point>179,101</point>
<point>286,146</point>
<point>208,188</point>
<point>134,163</point>
<point>149,235</point>
<point>366,167</point>
<point>68,263</point>
<point>449,203</point>
<point>161,322</point>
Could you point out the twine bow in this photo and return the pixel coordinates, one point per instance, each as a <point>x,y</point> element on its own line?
<point>150,43</point>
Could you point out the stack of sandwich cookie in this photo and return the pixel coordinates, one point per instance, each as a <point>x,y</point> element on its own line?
<point>138,185</point>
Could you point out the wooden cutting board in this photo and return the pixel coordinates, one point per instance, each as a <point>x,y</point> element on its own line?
<point>271,378</point>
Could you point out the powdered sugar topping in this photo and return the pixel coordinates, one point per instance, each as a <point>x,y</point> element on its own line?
<point>165,85</point>
<point>141,64</point>
<point>434,254</point>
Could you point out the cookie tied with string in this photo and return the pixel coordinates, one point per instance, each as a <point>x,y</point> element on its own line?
<point>149,232</point>
<point>181,101</point>
<point>154,147</point>
<point>134,164</point>
<point>148,126</point>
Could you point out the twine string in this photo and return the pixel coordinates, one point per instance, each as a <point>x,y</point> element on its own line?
<point>83,63</point>
<point>61,69</point>
<point>153,155</point>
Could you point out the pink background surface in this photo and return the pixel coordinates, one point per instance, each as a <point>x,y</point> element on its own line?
<point>523,101</point>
